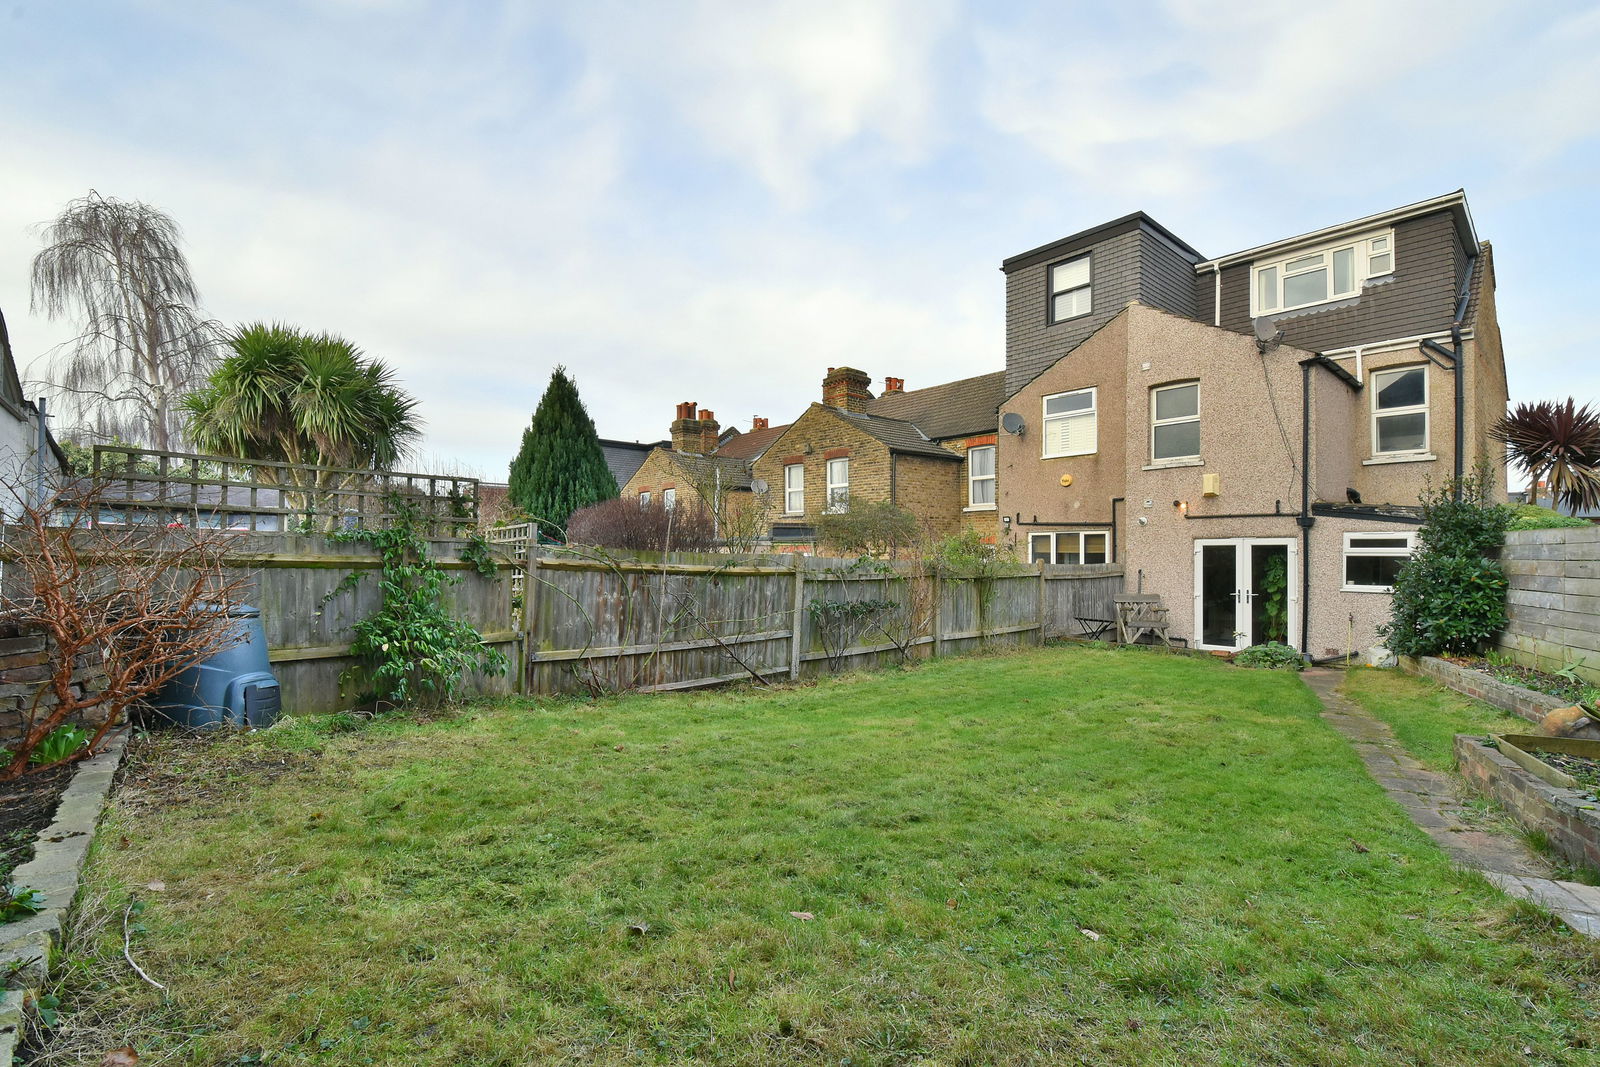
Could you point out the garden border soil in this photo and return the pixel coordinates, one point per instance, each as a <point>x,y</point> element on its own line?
<point>58,855</point>
<point>1525,703</point>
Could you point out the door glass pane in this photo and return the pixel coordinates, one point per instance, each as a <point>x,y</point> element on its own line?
<point>1344,270</point>
<point>1403,433</point>
<point>1177,441</point>
<point>1219,574</point>
<point>1269,580</point>
<point>1307,288</point>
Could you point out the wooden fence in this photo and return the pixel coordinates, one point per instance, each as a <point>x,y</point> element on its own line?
<point>293,579</point>
<point>681,620</point>
<point>1553,605</point>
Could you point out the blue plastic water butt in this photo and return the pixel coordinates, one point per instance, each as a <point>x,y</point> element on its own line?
<point>235,687</point>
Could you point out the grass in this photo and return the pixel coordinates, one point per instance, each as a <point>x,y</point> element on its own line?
<point>1062,856</point>
<point>1425,716</point>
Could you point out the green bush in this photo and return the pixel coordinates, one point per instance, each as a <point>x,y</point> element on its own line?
<point>1271,655</point>
<point>1450,596</point>
<point>1537,517</point>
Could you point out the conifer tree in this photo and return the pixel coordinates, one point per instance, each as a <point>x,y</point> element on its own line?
<point>560,467</point>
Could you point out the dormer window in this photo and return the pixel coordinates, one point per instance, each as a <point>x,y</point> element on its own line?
<point>1070,292</point>
<point>1319,275</point>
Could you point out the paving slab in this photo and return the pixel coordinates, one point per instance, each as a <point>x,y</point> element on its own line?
<point>1430,801</point>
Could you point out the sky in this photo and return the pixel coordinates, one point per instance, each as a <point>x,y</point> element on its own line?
<point>718,201</point>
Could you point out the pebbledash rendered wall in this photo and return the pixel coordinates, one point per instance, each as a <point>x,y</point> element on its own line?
<point>1553,605</point>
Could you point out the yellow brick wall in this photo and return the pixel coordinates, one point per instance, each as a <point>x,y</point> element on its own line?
<point>987,520</point>
<point>659,472</point>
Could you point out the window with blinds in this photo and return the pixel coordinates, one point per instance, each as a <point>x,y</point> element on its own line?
<point>1071,424</point>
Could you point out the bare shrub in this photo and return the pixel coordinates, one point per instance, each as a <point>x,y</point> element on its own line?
<point>653,527</point>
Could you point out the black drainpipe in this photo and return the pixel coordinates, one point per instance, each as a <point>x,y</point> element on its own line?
<point>1305,521</point>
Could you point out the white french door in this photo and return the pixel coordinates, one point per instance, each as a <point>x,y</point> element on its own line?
<point>1245,592</point>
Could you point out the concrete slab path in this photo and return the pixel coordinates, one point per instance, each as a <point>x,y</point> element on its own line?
<point>1431,801</point>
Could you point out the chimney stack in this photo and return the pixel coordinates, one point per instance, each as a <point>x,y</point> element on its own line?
<point>686,429</point>
<point>845,388</point>
<point>893,385</point>
<point>758,423</point>
<point>708,432</point>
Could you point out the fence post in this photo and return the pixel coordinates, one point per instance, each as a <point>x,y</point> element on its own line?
<point>1043,600</point>
<point>530,597</point>
<point>796,624</point>
<point>938,594</point>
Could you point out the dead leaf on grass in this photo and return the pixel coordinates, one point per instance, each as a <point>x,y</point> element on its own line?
<point>156,887</point>
<point>120,1057</point>
<point>1357,846</point>
<point>639,929</point>
<point>951,903</point>
<point>1090,934</point>
<point>803,916</point>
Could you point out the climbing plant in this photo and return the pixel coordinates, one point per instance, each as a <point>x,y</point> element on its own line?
<point>411,650</point>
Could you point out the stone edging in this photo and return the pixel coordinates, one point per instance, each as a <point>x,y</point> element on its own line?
<point>1527,703</point>
<point>1567,818</point>
<point>58,855</point>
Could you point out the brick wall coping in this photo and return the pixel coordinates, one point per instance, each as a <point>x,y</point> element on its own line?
<point>1568,818</point>
<point>1527,703</point>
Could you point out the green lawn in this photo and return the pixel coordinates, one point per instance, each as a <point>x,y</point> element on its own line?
<point>1425,716</point>
<point>1062,856</point>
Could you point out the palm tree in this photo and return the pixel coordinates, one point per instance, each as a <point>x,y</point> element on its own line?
<point>306,400</point>
<point>1555,442</point>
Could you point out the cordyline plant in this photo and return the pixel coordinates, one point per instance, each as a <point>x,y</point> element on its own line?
<point>1556,442</point>
<point>143,603</point>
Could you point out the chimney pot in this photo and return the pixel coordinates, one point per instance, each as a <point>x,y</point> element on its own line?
<point>894,385</point>
<point>758,423</point>
<point>708,415</point>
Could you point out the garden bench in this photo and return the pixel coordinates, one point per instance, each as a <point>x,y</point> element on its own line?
<point>1141,614</point>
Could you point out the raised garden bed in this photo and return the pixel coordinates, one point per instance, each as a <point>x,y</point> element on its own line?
<point>1569,691</point>
<point>1518,700</point>
<point>26,807</point>
<point>1525,774</point>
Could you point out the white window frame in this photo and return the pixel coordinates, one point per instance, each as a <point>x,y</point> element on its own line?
<point>669,498</point>
<point>644,498</point>
<point>1363,249</point>
<point>1057,539</point>
<point>1154,422</point>
<point>838,497</point>
<point>974,479</point>
<point>1052,292</point>
<point>794,489</point>
<point>1092,412</point>
<point>1353,547</point>
<point>1410,409</point>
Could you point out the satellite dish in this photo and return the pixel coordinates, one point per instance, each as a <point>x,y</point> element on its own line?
<point>1267,331</point>
<point>1012,424</point>
<point>758,485</point>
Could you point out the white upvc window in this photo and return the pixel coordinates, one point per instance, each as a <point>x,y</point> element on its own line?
<point>1371,560</point>
<point>1071,295</point>
<point>644,498</point>
<point>1175,422</point>
<point>1077,546</point>
<point>669,498</point>
<point>838,485</point>
<point>1318,275</point>
<point>1071,424</point>
<point>980,476</point>
<point>794,489</point>
<point>1400,411</point>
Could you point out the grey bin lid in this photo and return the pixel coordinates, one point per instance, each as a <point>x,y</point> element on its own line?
<point>237,611</point>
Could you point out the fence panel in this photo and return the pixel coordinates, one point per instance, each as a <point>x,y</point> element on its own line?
<point>1553,604</point>
<point>1074,592</point>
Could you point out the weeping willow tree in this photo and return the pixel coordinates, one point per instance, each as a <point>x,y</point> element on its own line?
<point>116,268</point>
<point>307,400</point>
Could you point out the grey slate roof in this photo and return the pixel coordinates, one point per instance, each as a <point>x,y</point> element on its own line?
<point>626,457</point>
<point>702,470</point>
<point>954,409</point>
<point>899,435</point>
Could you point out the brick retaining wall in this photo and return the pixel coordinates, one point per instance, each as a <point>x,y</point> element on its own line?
<point>1567,818</point>
<point>1531,705</point>
<point>25,666</point>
